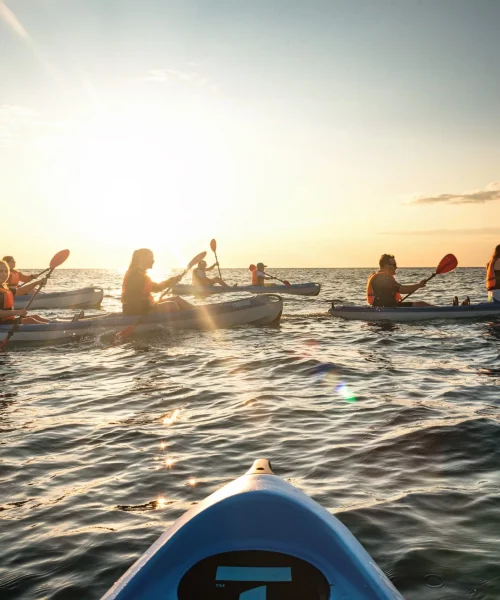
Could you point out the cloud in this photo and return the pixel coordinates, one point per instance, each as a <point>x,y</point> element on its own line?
<point>489,194</point>
<point>481,231</point>
<point>173,75</point>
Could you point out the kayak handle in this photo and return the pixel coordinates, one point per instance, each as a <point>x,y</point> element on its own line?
<point>261,466</point>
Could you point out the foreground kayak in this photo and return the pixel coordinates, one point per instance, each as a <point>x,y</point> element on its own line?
<point>296,289</point>
<point>257,310</point>
<point>370,313</point>
<point>257,538</point>
<point>85,298</point>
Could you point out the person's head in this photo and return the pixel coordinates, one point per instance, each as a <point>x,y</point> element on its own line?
<point>142,259</point>
<point>202,265</point>
<point>10,261</point>
<point>388,263</point>
<point>4,272</point>
<point>261,266</point>
<point>496,252</point>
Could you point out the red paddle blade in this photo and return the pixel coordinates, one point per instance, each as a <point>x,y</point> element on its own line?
<point>58,259</point>
<point>287,283</point>
<point>252,268</point>
<point>213,245</point>
<point>196,259</point>
<point>447,264</point>
<point>124,333</point>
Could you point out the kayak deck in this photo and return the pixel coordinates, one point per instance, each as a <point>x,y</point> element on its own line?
<point>296,289</point>
<point>425,313</point>
<point>89,297</point>
<point>257,538</point>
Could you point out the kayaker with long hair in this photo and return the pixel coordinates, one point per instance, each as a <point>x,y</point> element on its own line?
<point>199,276</point>
<point>138,289</point>
<point>16,277</point>
<point>383,290</point>
<point>493,276</point>
<point>7,311</point>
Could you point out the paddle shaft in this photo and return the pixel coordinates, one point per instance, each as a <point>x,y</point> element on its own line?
<point>35,277</point>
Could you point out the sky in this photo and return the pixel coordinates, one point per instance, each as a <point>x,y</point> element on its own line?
<point>300,134</point>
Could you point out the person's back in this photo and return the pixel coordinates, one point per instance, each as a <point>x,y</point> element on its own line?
<point>136,292</point>
<point>493,276</point>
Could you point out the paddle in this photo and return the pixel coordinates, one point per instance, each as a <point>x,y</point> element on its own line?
<point>128,330</point>
<point>56,261</point>
<point>254,268</point>
<point>213,247</point>
<point>34,277</point>
<point>447,264</point>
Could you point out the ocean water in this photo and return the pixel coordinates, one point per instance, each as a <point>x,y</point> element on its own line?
<point>393,428</point>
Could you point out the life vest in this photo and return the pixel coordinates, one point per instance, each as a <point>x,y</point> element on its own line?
<point>16,276</point>
<point>137,296</point>
<point>7,302</point>
<point>199,277</point>
<point>491,279</point>
<point>254,277</point>
<point>370,295</point>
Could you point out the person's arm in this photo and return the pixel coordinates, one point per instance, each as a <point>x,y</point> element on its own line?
<point>21,312</point>
<point>27,289</point>
<point>168,283</point>
<point>25,278</point>
<point>409,289</point>
<point>212,267</point>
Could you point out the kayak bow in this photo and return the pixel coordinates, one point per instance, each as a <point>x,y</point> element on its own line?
<point>257,538</point>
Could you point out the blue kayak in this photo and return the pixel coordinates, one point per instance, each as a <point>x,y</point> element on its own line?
<point>257,538</point>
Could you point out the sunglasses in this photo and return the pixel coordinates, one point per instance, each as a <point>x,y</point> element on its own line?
<point>393,265</point>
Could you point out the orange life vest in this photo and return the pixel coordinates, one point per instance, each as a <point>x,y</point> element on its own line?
<point>137,296</point>
<point>16,276</point>
<point>254,277</point>
<point>491,279</point>
<point>370,295</point>
<point>8,302</point>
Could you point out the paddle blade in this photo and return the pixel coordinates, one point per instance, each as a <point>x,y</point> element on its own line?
<point>252,268</point>
<point>213,245</point>
<point>286,282</point>
<point>196,259</point>
<point>58,259</point>
<point>124,333</point>
<point>447,264</point>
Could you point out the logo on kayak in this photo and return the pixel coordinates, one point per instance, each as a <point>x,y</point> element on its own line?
<point>241,303</point>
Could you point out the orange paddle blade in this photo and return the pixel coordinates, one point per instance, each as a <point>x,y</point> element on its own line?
<point>447,264</point>
<point>58,259</point>
<point>213,245</point>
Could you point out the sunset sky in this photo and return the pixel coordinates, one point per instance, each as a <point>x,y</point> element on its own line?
<point>304,134</point>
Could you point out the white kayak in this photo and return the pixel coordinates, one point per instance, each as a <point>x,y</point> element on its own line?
<point>296,289</point>
<point>257,538</point>
<point>371,313</point>
<point>257,310</point>
<point>85,298</point>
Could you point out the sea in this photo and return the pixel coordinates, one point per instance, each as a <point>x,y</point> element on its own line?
<point>393,428</point>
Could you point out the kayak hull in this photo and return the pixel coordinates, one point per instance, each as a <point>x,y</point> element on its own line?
<point>255,523</point>
<point>403,314</point>
<point>85,298</point>
<point>258,310</point>
<point>296,289</point>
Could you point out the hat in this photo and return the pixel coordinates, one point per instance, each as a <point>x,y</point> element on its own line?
<point>261,265</point>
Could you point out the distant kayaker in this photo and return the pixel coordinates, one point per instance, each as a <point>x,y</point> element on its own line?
<point>17,277</point>
<point>200,277</point>
<point>259,275</point>
<point>138,289</point>
<point>493,276</point>
<point>7,311</point>
<point>382,289</point>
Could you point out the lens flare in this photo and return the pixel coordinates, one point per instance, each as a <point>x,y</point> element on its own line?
<point>169,420</point>
<point>343,390</point>
<point>161,503</point>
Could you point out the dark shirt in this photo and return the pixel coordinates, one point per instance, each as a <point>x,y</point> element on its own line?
<point>497,277</point>
<point>136,299</point>
<point>385,289</point>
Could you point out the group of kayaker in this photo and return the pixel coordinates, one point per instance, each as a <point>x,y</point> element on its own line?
<point>382,289</point>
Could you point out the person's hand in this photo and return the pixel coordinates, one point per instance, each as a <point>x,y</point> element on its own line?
<point>43,282</point>
<point>422,283</point>
<point>178,278</point>
<point>20,312</point>
<point>32,277</point>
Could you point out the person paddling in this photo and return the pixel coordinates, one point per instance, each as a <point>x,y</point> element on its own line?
<point>493,276</point>
<point>138,289</point>
<point>16,277</point>
<point>200,278</point>
<point>259,275</point>
<point>7,311</point>
<point>383,290</point>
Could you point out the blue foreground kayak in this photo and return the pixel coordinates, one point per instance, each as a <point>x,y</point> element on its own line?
<point>257,538</point>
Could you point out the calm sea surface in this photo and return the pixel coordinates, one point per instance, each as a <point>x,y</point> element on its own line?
<point>394,428</point>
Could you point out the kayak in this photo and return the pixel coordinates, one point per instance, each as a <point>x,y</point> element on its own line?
<point>85,298</point>
<point>256,538</point>
<point>296,289</point>
<point>257,310</point>
<point>370,313</point>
